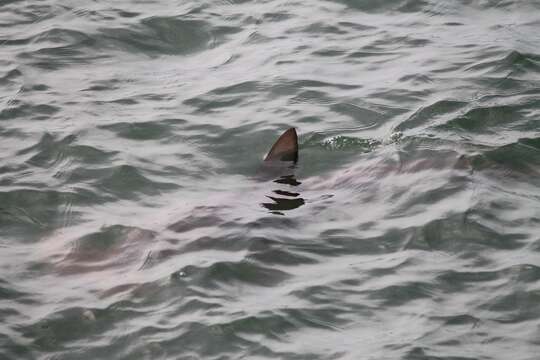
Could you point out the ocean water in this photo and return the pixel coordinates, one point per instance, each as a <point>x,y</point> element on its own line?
<point>137,220</point>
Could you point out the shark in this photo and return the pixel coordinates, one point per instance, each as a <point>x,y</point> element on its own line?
<point>142,251</point>
<point>276,189</point>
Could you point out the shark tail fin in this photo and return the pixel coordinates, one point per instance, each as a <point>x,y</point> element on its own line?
<point>285,148</point>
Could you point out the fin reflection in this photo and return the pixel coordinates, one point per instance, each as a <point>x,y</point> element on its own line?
<point>280,161</point>
<point>284,200</point>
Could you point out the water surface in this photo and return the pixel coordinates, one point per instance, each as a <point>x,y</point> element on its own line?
<point>136,221</point>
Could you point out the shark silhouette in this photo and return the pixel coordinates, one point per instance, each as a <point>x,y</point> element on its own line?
<point>119,248</point>
<point>125,245</point>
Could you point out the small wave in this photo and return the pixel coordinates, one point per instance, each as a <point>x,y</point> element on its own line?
<point>512,64</point>
<point>58,329</point>
<point>440,111</point>
<point>125,181</point>
<point>18,110</point>
<point>516,161</point>
<point>223,273</point>
<point>111,249</point>
<point>341,143</point>
<point>33,211</point>
<point>487,119</point>
<point>407,6</point>
<point>165,36</point>
<point>10,76</point>
<point>142,130</point>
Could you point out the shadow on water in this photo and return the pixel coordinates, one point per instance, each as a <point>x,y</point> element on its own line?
<point>285,200</point>
<point>283,186</point>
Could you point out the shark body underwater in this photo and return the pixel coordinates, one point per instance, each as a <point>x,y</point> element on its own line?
<point>380,181</point>
<point>372,193</point>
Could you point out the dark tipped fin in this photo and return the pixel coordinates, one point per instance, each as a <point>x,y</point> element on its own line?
<point>285,148</point>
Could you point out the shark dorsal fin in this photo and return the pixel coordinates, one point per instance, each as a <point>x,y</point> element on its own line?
<point>285,148</point>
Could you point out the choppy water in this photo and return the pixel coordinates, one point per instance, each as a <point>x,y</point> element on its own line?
<point>136,221</point>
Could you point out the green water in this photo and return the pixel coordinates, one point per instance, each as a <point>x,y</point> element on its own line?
<point>137,220</point>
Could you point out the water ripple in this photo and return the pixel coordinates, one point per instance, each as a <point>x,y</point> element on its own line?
<point>137,219</point>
